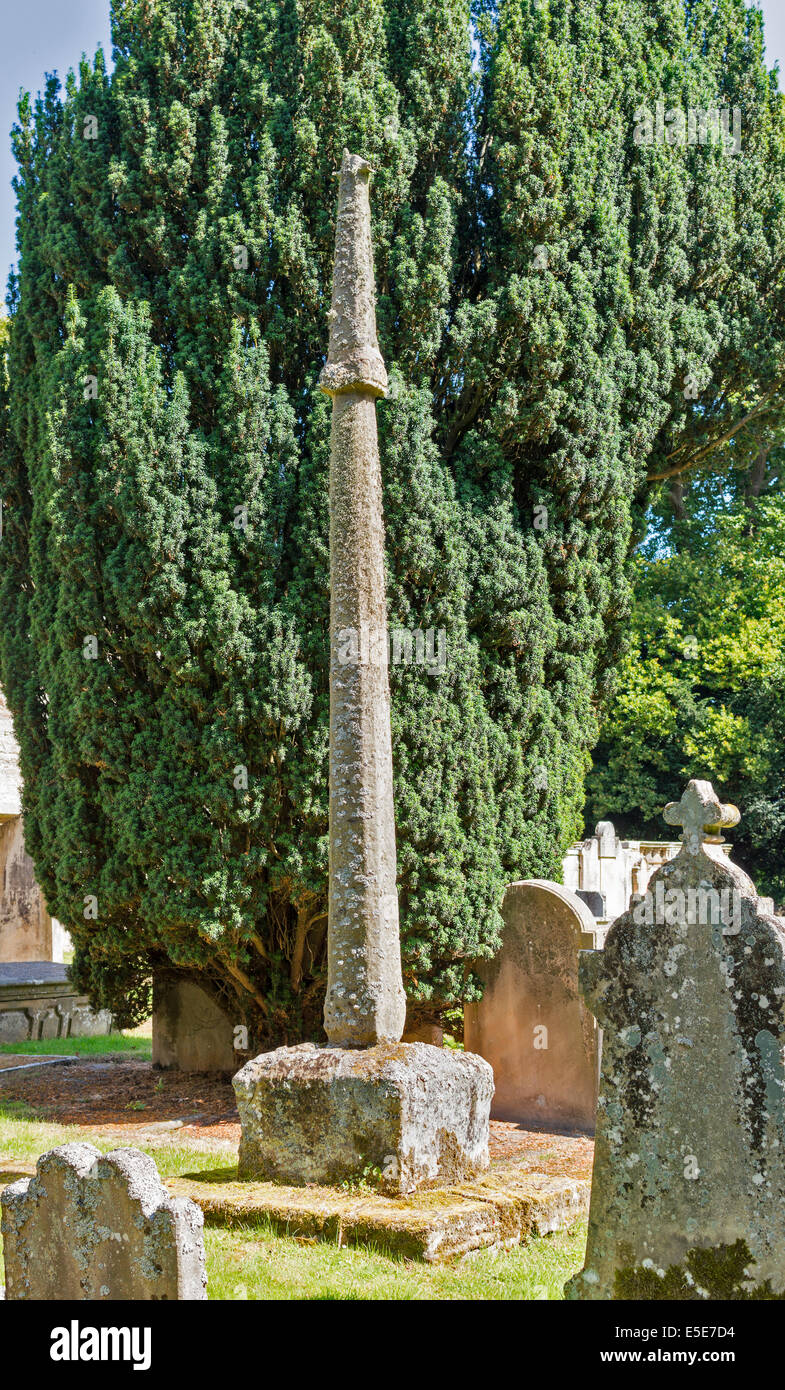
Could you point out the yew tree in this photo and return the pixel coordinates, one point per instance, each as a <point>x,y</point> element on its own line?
<point>547,284</point>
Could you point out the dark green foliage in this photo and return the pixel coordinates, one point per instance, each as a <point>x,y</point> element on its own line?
<point>183,259</point>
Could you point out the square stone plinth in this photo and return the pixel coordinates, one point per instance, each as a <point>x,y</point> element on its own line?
<point>402,1115</point>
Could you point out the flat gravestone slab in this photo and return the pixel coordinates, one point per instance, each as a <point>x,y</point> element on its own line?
<point>100,1227</point>
<point>34,972</point>
<point>20,1061</point>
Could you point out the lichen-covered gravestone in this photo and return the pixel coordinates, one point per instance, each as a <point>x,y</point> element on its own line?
<point>100,1227</point>
<point>688,1190</point>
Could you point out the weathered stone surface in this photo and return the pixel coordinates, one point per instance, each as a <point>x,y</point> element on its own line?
<point>503,1208</point>
<point>25,924</point>
<point>37,1000</point>
<point>27,932</point>
<point>415,1116</point>
<point>191,1032</point>
<point>688,1189</point>
<point>10,777</point>
<point>93,1226</point>
<point>531,1023</point>
<point>365,1002</point>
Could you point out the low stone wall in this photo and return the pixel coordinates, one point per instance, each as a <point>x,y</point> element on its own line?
<point>37,1000</point>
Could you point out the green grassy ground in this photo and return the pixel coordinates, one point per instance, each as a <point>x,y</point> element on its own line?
<point>253,1262</point>
<point>128,1044</point>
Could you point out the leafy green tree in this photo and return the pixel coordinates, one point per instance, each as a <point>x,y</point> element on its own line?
<point>699,692</point>
<point>545,283</point>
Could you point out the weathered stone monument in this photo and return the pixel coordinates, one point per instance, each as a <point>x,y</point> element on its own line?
<point>605,871</point>
<point>416,1114</point>
<point>531,1023</point>
<point>27,931</point>
<point>191,1030</point>
<point>365,1001</point>
<point>688,1190</point>
<point>37,1000</point>
<point>100,1227</point>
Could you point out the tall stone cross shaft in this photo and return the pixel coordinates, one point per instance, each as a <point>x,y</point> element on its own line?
<point>365,1001</point>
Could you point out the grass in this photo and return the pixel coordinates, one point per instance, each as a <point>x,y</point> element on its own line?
<point>23,1137</point>
<point>129,1045</point>
<point>253,1262</point>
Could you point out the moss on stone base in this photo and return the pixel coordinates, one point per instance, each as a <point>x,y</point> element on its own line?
<point>707,1273</point>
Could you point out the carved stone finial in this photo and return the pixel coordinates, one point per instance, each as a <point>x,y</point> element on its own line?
<point>354,362</point>
<point>702,815</point>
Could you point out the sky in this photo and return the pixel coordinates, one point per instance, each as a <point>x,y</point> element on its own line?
<point>50,35</point>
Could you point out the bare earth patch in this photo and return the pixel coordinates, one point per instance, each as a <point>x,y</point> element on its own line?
<point>126,1099</point>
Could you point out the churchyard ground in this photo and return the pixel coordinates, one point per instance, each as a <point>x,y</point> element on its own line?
<point>113,1098</point>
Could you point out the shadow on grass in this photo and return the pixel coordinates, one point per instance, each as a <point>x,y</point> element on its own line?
<point>213,1175</point>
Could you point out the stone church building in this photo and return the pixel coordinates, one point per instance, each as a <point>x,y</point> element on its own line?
<point>27,931</point>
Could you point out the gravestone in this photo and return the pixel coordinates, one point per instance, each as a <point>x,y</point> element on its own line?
<point>191,1031</point>
<point>531,1023</point>
<point>100,1227</point>
<point>37,1000</point>
<point>688,1189</point>
<point>416,1114</point>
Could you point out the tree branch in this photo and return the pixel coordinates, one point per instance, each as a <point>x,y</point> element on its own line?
<point>714,443</point>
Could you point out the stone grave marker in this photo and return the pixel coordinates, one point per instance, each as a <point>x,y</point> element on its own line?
<point>100,1227</point>
<point>191,1031</point>
<point>531,1023</point>
<point>688,1189</point>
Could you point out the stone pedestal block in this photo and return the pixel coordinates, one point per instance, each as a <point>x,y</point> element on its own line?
<point>405,1115</point>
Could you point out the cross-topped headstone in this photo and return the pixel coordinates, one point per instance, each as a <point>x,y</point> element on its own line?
<point>688,1189</point>
<point>702,815</point>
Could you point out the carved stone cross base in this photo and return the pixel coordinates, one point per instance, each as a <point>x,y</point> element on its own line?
<point>402,1115</point>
